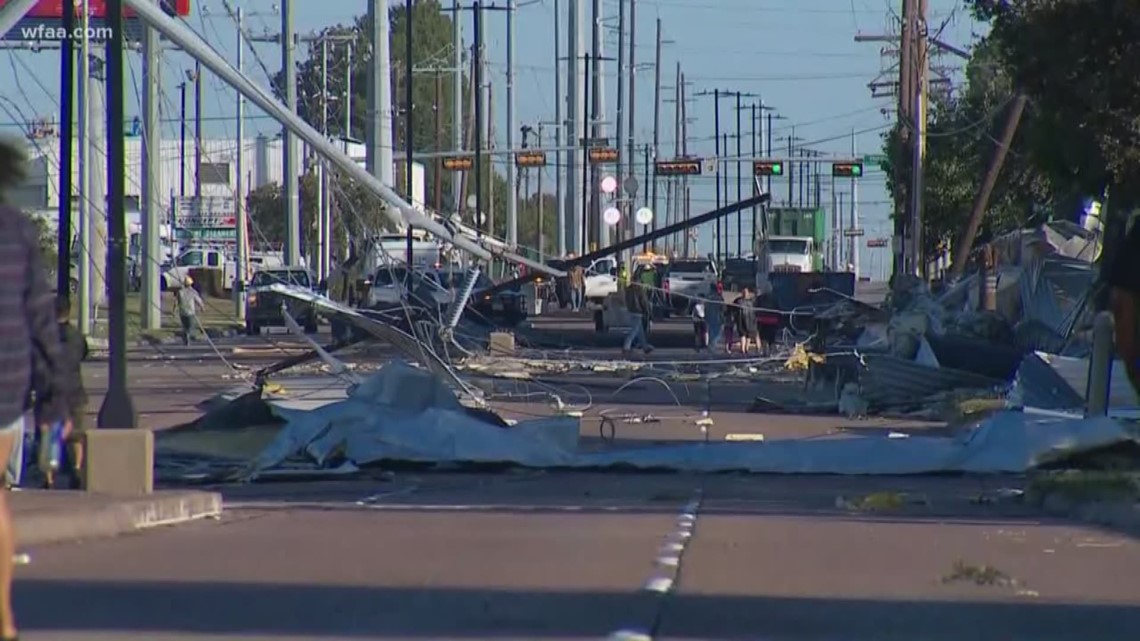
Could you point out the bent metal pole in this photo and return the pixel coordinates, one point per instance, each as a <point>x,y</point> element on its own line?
<point>12,13</point>
<point>193,45</point>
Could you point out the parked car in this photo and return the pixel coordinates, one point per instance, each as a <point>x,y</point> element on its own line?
<point>263,306</point>
<point>389,286</point>
<point>687,278</point>
<point>506,307</point>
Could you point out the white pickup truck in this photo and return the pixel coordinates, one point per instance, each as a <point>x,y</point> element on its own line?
<point>601,279</point>
<point>688,278</point>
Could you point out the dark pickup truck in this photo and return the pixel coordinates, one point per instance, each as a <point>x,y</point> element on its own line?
<point>263,307</point>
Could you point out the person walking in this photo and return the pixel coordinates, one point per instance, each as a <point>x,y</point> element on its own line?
<point>577,278</point>
<point>189,303</point>
<point>638,309</point>
<point>746,322</point>
<point>28,333</point>
<point>73,351</point>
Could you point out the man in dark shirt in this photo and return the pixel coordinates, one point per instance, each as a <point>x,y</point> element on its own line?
<point>1123,276</point>
<point>27,327</point>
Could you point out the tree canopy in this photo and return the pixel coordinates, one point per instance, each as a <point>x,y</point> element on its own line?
<point>1078,63</point>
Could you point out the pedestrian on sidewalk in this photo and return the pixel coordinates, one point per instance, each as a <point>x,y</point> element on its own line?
<point>577,280</point>
<point>74,351</point>
<point>700,326</point>
<point>189,303</point>
<point>28,330</point>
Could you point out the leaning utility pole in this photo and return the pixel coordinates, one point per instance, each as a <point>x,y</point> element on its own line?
<point>409,134</point>
<point>656,122</point>
<point>512,203</point>
<point>289,141</point>
<point>151,257</point>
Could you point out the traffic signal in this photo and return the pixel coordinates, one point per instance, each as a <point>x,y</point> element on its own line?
<point>458,163</point>
<point>677,167</point>
<point>847,169</point>
<point>767,168</point>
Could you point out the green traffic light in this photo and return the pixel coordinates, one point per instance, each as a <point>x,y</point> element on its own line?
<point>857,170</point>
<point>777,169</point>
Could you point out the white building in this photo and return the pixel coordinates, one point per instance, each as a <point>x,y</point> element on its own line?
<point>262,163</point>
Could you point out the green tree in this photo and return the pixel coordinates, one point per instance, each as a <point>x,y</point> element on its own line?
<point>961,139</point>
<point>1079,63</point>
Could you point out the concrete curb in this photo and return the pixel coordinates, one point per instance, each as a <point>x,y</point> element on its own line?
<point>111,519</point>
<point>1121,515</point>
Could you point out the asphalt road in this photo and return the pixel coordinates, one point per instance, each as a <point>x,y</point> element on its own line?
<point>570,556</point>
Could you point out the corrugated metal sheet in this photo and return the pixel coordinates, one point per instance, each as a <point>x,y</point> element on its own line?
<point>888,381</point>
<point>1040,386</point>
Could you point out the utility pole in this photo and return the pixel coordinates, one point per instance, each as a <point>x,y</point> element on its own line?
<point>197,130</point>
<point>66,111</point>
<point>118,409</point>
<point>437,110</point>
<point>379,147</point>
<point>84,152</point>
<point>674,184</point>
<point>739,182</point>
<point>559,204</point>
<point>289,146</point>
<point>685,152</point>
<point>755,186</point>
<point>477,91</point>
<point>597,107</point>
<point>182,142</point>
<point>722,167</point>
<point>409,134</point>
<point>575,129</point>
<point>150,256</point>
<point>541,235</point>
<point>512,204</point>
<point>627,220</point>
<point>622,203</point>
<point>586,170</point>
<point>656,123</point>
<point>854,211</point>
<point>456,101</point>
<point>239,202</point>
<point>918,38</point>
<point>322,228</point>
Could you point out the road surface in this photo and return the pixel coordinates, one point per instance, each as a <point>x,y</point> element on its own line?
<point>569,556</point>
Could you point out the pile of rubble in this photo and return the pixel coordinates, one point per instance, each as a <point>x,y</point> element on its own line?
<point>936,356</point>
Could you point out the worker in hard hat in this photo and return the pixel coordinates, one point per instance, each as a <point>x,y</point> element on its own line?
<point>188,303</point>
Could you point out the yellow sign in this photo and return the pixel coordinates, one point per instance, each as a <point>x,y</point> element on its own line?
<point>458,163</point>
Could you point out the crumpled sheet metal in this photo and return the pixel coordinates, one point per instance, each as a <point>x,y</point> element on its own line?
<point>1037,384</point>
<point>407,414</point>
<point>1007,442</point>
<point>888,381</point>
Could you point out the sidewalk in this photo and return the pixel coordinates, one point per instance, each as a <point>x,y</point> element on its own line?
<point>43,516</point>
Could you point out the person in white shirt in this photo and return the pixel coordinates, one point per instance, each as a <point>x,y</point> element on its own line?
<point>700,325</point>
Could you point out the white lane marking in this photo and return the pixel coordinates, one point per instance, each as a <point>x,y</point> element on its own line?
<point>668,562</point>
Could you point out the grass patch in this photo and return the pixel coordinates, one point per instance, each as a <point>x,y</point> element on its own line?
<point>985,575</point>
<point>217,314</point>
<point>1093,485</point>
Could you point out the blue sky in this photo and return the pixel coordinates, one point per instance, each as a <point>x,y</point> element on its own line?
<point>799,55</point>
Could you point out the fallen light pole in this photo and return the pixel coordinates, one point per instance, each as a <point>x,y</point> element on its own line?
<point>193,45</point>
<point>684,225</point>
